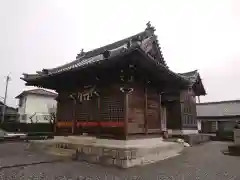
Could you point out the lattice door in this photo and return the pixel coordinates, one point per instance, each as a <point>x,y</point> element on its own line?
<point>153,108</point>
<point>136,123</point>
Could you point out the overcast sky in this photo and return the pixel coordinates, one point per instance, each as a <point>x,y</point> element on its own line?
<point>193,34</point>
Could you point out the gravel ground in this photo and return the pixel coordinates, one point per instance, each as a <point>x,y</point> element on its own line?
<point>204,162</point>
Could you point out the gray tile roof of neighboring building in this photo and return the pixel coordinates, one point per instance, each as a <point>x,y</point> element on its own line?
<point>42,92</point>
<point>9,110</point>
<point>222,108</point>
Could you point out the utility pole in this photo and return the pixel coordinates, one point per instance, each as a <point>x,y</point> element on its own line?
<point>5,98</point>
<point>198,99</point>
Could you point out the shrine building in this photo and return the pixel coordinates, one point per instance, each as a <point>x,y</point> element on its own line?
<point>122,90</point>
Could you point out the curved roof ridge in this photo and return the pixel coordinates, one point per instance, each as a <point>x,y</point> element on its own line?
<point>189,72</point>
<point>97,51</point>
<point>94,56</point>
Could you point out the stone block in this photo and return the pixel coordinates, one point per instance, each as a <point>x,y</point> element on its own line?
<point>114,153</point>
<point>105,160</point>
<point>154,150</point>
<point>66,146</point>
<point>72,146</point>
<point>135,162</point>
<point>97,151</point>
<point>134,153</point>
<point>59,145</point>
<point>124,163</point>
<point>82,157</point>
<point>87,149</point>
<point>119,162</point>
<point>124,154</point>
<point>142,152</point>
<point>80,149</point>
<point>92,158</point>
<point>106,152</point>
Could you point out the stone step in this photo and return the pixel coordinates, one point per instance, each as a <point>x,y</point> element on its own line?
<point>62,152</point>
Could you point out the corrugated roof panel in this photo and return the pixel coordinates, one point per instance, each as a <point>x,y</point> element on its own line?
<point>220,109</point>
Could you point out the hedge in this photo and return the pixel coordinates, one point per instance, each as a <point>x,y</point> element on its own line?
<point>225,135</point>
<point>23,127</point>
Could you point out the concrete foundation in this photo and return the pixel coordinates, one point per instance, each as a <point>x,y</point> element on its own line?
<point>182,132</point>
<point>120,153</point>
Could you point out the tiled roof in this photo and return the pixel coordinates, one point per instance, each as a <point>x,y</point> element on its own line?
<point>191,76</point>
<point>222,108</point>
<point>8,110</point>
<point>42,92</point>
<point>142,40</point>
<point>195,80</point>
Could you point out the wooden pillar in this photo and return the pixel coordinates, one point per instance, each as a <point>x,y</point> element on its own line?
<point>56,118</point>
<point>216,126</point>
<point>126,107</point>
<point>74,116</point>
<point>198,99</point>
<point>55,125</point>
<point>126,92</point>
<point>98,114</point>
<point>146,111</point>
<point>160,110</point>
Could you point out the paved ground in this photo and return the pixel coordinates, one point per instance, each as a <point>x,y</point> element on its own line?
<point>205,162</point>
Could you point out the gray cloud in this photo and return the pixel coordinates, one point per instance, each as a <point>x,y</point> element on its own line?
<point>199,34</point>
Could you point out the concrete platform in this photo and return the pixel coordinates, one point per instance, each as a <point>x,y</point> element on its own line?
<point>120,153</point>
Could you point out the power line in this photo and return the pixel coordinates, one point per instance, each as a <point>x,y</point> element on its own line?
<point>5,98</point>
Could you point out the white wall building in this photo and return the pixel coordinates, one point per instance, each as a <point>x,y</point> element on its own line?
<point>35,105</point>
<point>221,115</point>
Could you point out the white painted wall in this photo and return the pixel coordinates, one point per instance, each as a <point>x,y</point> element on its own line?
<point>36,104</point>
<point>39,104</point>
<point>199,124</point>
<point>21,109</point>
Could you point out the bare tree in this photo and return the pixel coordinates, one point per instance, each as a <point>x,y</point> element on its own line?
<point>52,115</point>
<point>31,117</point>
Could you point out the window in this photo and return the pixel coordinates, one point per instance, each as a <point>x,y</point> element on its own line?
<point>24,117</point>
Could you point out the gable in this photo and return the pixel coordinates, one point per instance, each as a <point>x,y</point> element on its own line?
<point>195,82</point>
<point>41,92</point>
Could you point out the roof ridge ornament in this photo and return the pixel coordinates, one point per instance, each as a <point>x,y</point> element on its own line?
<point>45,71</point>
<point>81,54</point>
<point>150,28</point>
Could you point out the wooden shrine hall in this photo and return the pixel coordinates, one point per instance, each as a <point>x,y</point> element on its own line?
<point>122,90</point>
